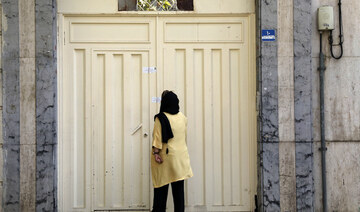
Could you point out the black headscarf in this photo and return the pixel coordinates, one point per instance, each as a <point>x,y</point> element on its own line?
<point>169,104</point>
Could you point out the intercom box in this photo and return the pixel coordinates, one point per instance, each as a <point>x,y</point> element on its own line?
<point>326,18</point>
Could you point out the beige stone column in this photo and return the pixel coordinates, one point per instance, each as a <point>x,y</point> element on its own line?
<point>27,105</point>
<point>286,106</point>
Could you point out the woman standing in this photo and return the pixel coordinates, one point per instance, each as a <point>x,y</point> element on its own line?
<point>170,161</point>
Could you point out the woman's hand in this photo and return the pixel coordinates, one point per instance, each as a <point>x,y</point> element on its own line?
<point>156,153</point>
<point>158,158</point>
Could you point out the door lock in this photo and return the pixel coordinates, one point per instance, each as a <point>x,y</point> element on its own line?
<point>145,135</point>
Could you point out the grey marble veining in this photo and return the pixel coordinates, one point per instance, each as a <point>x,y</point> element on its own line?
<point>302,70</point>
<point>11,106</point>
<point>268,12</point>
<point>304,176</point>
<point>270,125</point>
<point>271,177</point>
<point>269,76</point>
<point>269,141</point>
<point>46,173</point>
<point>11,177</point>
<point>46,121</point>
<point>303,105</point>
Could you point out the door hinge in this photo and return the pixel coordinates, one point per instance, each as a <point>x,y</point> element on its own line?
<point>258,101</point>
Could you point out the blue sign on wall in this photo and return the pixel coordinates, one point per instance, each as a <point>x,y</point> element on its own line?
<point>268,35</point>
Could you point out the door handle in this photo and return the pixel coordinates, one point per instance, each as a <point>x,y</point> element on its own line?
<point>145,135</point>
<point>136,129</point>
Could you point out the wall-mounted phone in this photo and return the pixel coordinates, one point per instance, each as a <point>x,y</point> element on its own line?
<point>325,18</point>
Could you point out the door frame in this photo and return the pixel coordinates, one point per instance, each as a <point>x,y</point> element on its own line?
<point>60,80</point>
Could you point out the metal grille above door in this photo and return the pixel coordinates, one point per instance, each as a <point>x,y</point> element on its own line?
<point>156,5</point>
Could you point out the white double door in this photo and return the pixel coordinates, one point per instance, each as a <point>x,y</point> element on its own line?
<point>113,68</point>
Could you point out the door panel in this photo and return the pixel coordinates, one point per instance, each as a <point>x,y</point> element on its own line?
<point>120,97</point>
<point>105,113</point>
<point>75,109</point>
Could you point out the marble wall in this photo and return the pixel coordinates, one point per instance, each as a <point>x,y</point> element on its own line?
<point>299,122</point>
<point>29,115</point>
<point>268,88</point>
<point>286,105</point>
<point>303,105</point>
<point>286,115</point>
<point>27,105</point>
<point>1,112</point>
<point>46,105</point>
<point>342,106</point>
<point>11,106</point>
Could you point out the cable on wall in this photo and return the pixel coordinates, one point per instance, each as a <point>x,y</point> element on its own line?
<point>341,37</point>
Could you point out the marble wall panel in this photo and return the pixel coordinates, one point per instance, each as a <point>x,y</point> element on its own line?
<point>343,177</point>
<point>342,100</point>
<point>27,101</point>
<point>269,78</point>
<point>27,177</point>
<point>287,176</point>
<point>286,99</point>
<point>269,138</point>
<point>27,28</point>
<point>271,178</point>
<point>304,176</point>
<point>285,28</point>
<point>11,178</point>
<point>316,99</point>
<point>303,105</point>
<point>27,105</point>
<point>46,177</point>
<point>1,118</point>
<point>286,106</point>
<point>46,121</point>
<point>11,106</point>
<point>303,98</point>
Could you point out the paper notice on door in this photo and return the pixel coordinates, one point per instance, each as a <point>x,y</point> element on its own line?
<point>149,70</point>
<point>155,99</point>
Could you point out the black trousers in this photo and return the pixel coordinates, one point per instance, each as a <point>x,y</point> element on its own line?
<point>160,197</point>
